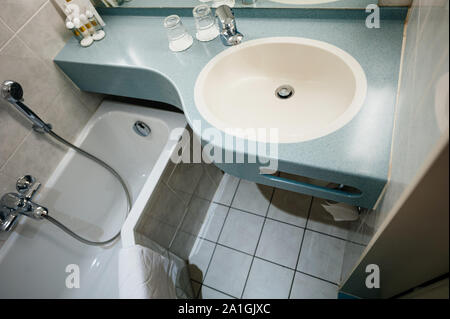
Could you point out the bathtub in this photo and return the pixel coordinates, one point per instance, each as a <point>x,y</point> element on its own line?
<point>38,258</point>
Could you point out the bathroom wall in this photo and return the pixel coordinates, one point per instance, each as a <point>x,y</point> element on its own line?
<point>422,112</point>
<point>31,33</point>
<point>187,197</point>
<point>179,204</point>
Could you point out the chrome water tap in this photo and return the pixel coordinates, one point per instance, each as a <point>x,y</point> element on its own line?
<point>227,24</point>
<point>12,205</point>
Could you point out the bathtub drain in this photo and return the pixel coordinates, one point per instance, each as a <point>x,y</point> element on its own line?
<point>141,128</point>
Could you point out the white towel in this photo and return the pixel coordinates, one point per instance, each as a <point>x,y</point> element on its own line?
<point>145,274</point>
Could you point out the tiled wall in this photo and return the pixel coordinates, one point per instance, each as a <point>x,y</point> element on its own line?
<point>179,205</point>
<point>32,32</point>
<point>422,113</point>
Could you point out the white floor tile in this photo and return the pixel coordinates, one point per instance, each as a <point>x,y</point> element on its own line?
<point>289,207</point>
<point>307,287</point>
<point>268,281</point>
<point>241,231</point>
<point>322,256</point>
<point>225,192</point>
<point>280,243</point>
<point>199,259</point>
<point>320,220</point>
<point>252,197</point>
<point>208,293</point>
<point>228,271</point>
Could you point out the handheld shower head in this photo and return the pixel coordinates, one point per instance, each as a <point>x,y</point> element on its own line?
<point>12,90</point>
<point>13,93</point>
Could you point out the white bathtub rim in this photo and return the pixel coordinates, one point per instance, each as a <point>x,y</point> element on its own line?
<point>129,226</point>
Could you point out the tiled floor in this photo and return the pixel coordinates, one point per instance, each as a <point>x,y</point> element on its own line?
<point>260,242</point>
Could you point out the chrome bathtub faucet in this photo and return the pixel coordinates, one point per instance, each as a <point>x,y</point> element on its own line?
<point>227,25</point>
<point>12,205</point>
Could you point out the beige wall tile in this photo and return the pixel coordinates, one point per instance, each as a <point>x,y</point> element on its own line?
<point>15,13</point>
<point>38,155</point>
<point>13,129</point>
<point>7,184</point>
<point>28,59</point>
<point>67,114</point>
<point>46,34</point>
<point>5,33</point>
<point>40,84</point>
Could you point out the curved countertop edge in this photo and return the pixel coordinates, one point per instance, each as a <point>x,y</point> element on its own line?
<point>124,69</point>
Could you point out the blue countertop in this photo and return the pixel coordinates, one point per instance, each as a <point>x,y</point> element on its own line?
<point>134,60</point>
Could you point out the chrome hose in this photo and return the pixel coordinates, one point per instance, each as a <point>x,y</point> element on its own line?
<point>12,92</point>
<point>107,167</point>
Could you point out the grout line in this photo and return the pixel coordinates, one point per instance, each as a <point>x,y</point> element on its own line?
<point>215,289</point>
<point>333,236</point>
<point>8,41</point>
<point>301,245</point>
<point>286,223</point>
<point>313,276</point>
<point>269,261</point>
<point>220,233</point>
<point>15,151</point>
<point>12,36</point>
<point>303,227</point>
<point>16,33</point>
<point>257,243</point>
<point>259,238</point>
<point>32,16</point>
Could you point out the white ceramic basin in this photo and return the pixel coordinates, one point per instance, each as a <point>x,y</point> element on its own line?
<point>237,88</point>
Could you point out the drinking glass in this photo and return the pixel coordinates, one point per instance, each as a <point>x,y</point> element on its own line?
<point>179,38</point>
<point>207,29</point>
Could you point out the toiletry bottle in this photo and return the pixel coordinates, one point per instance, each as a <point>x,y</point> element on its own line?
<point>93,20</point>
<point>99,32</point>
<point>87,24</point>
<point>70,26</point>
<point>87,39</point>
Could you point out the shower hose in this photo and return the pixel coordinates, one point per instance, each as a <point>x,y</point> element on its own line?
<point>108,168</point>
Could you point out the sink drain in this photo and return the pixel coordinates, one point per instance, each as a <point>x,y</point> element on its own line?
<point>284,92</point>
<point>141,128</point>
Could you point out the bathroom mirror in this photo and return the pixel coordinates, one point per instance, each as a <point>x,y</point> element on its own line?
<point>343,4</point>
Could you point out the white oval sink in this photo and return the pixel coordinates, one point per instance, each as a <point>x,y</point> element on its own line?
<point>237,89</point>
